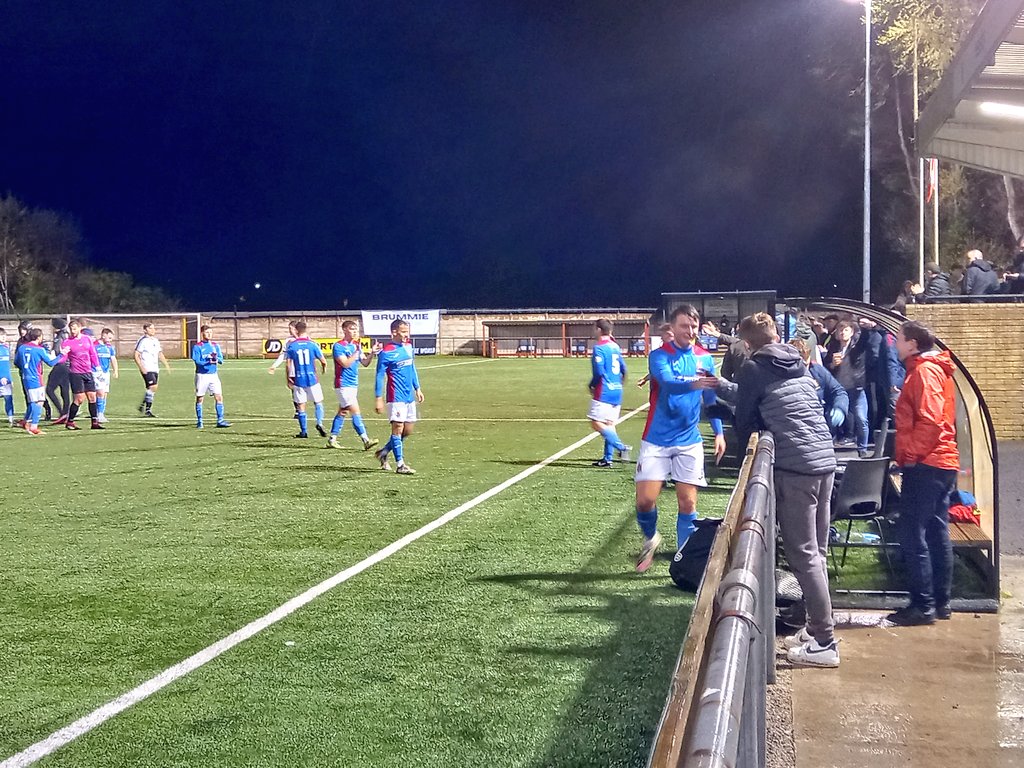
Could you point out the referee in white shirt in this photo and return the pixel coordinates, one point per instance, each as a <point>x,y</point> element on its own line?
<point>148,355</point>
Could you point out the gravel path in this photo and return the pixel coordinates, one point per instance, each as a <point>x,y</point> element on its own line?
<point>780,746</point>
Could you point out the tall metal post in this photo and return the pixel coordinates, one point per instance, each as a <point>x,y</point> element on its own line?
<point>867,152</point>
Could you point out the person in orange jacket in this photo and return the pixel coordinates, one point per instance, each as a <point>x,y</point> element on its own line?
<point>927,453</point>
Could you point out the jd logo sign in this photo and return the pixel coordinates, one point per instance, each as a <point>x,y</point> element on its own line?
<point>272,346</point>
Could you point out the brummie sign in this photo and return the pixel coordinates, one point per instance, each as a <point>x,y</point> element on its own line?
<point>424,325</point>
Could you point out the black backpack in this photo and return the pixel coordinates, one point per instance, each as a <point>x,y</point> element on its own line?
<point>687,567</point>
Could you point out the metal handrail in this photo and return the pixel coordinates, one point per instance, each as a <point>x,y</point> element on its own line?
<point>728,728</point>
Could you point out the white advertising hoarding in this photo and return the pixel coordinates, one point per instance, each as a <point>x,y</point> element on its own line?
<point>422,322</point>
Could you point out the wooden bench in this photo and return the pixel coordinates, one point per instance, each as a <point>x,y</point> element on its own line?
<point>968,535</point>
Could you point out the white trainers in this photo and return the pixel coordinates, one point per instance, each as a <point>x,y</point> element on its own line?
<point>800,638</point>
<point>811,654</point>
<point>405,469</point>
<point>647,551</point>
<point>382,457</point>
<point>101,418</point>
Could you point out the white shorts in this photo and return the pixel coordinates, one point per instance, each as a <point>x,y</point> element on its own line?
<point>37,395</point>
<point>102,381</point>
<point>603,412</point>
<point>402,413</point>
<point>302,394</point>
<point>347,396</point>
<point>6,390</point>
<point>683,463</point>
<point>208,384</point>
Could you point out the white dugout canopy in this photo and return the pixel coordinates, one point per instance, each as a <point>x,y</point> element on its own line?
<point>976,115</point>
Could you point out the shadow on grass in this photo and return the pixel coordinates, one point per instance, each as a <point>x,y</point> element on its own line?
<point>611,720</point>
<point>573,463</point>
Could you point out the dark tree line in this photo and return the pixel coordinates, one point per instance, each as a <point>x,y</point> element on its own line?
<point>44,268</point>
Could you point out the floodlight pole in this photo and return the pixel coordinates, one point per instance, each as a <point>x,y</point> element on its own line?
<point>867,152</point>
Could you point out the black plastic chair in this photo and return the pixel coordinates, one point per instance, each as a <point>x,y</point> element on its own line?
<point>859,497</point>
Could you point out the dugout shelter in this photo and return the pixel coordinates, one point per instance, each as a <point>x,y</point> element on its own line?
<point>976,439</point>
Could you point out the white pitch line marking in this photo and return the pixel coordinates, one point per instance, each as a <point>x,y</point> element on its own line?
<point>97,717</point>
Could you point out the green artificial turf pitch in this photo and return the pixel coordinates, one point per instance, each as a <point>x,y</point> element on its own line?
<point>515,635</point>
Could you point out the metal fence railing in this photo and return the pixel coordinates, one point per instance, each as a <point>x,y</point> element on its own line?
<point>715,713</point>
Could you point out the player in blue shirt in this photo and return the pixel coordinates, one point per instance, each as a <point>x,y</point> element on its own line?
<point>348,356</point>
<point>6,383</point>
<point>107,354</point>
<point>207,356</point>
<point>682,380</point>
<point>30,358</point>
<point>303,354</point>
<point>398,386</point>
<point>608,371</point>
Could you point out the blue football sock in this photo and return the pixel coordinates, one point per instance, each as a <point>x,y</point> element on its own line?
<point>319,413</point>
<point>101,404</point>
<point>302,421</point>
<point>648,522</point>
<point>357,422</point>
<point>337,424</point>
<point>9,406</point>
<point>684,527</point>
<point>148,397</point>
<point>396,446</point>
<point>199,413</point>
<point>609,450</point>
<point>219,407</point>
<point>28,413</point>
<point>611,437</point>
<point>37,412</point>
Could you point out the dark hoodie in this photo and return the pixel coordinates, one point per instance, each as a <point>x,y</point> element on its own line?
<point>775,392</point>
<point>937,284</point>
<point>980,279</point>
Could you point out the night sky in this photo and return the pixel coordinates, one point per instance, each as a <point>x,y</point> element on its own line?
<point>457,154</point>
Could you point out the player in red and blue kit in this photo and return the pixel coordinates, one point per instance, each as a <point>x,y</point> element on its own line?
<point>398,381</point>
<point>30,358</point>
<point>682,380</point>
<point>106,352</point>
<point>303,354</point>
<point>348,356</point>
<point>608,372</point>
<point>6,383</point>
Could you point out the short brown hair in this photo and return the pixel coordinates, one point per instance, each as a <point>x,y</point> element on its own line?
<point>204,328</point>
<point>349,324</point>
<point>801,346</point>
<point>914,330</point>
<point>300,327</point>
<point>604,325</point>
<point>664,327</point>
<point>758,329</point>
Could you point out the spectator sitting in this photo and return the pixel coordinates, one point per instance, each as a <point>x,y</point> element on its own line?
<point>936,282</point>
<point>834,401</point>
<point>979,277</point>
<point>904,297</point>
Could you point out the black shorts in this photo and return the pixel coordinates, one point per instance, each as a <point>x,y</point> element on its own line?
<point>150,378</point>
<point>82,383</point>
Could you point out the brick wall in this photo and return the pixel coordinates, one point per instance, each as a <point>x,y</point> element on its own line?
<point>989,340</point>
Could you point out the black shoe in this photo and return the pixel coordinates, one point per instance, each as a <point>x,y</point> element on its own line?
<point>864,454</point>
<point>302,434</point>
<point>321,431</point>
<point>97,425</point>
<point>602,463</point>
<point>943,612</point>
<point>149,415</point>
<point>911,616</point>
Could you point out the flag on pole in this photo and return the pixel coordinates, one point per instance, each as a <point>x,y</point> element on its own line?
<point>933,178</point>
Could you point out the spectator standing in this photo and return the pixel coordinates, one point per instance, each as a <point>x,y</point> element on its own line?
<point>1015,275</point>
<point>846,361</point>
<point>936,282</point>
<point>835,403</point>
<point>927,453</point>
<point>980,277</point>
<point>774,392</point>
<point>736,352</point>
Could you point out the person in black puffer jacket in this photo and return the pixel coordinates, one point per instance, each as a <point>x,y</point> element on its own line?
<point>980,278</point>
<point>773,391</point>
<point>936,282</point>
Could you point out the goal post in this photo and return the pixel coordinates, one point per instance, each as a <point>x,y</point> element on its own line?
<point>177,331</point>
